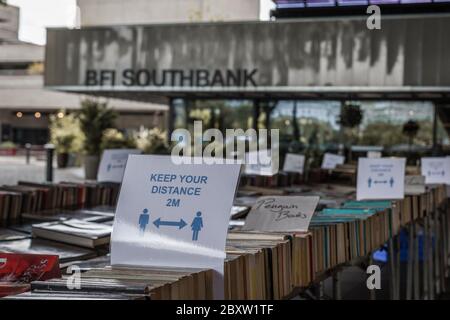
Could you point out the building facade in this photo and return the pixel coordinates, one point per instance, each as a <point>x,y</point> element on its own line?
<point>263,74</point>
<point>133,12</point>
<point>25,105</point>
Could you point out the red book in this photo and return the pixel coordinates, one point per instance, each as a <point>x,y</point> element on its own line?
<point>17,271</point>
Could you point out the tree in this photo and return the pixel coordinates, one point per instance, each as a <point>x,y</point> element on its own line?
<point>410,129</point>
<point>95,118</point>
<point>351,115</point>
<point>350,119</point>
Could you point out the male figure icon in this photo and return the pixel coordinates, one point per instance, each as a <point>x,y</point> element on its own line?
<point>144,219</point>
<point>196,226</point>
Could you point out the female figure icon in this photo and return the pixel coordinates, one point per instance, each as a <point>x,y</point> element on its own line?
<point>196,226</point>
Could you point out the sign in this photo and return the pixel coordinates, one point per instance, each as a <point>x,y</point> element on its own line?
<point>331,161</point>
<point>172,215</point>
<point>294,163</point>
<point>382,178</point>
<point>172,78</point>
<point>281,213</point>
<point>414,185</point>
<point>112,165</point>
<point>260,163</point>
<point>373,154</point>
<point>436,170</point>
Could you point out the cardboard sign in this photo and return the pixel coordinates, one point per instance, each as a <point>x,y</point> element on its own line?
<point>414,185</point>
<point>282,213</point>
<point>436,170</point>
<point>331,161</point>
<point>382,178</point>
<point>112,165</point>
<point>172,215</point>
<point>294,163</point>
<point>261,163</point>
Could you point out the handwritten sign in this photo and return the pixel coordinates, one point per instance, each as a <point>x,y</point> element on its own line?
<point>174,215</point>
<point>283,213</point>
<point>414,185</point>
<point>331,161</point>
<point>382,178</point>
<point>294,163</point>
<point>436,170</point>
<point>112,164</point>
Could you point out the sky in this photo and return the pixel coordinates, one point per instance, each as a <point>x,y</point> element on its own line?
<point>36,15</point>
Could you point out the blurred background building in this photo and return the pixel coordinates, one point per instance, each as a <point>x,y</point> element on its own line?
<point>313,60</point>
<point>118,12</point>
<point>25,106</point>
<point>304,70</point>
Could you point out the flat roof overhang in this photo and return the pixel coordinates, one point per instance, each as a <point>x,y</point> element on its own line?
<point>164,94</point>
<point>333,58</point>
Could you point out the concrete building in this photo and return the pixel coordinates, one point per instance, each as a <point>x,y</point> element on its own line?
<point>119,12</point>
<point>261,65</point>
<point>9,23</point>
<point>25,105</point>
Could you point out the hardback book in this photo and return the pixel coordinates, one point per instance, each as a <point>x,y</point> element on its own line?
<point>65,252</point>
<point>61,215</point>
<point>238,212</point>
<point>74,231</point>
<point>11,235</point>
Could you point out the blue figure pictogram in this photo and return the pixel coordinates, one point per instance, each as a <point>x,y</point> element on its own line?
<point>196,225</point>
<point>108,168</point>
<point>144,218</point>
<point>391,182</point>
<point>369,182</point>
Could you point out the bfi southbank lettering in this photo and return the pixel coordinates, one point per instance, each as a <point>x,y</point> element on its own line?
<point>172,78</point>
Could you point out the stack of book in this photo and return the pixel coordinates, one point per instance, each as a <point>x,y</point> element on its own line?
<point>281,179</point>
<point>29,198</point>
<point>127,283</point>
<point>10,207</point>
<point>258,265</point>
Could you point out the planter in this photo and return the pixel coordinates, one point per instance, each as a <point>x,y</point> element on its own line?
<point>91,167</point>
<point>62,160</point>
<point>8,151</point>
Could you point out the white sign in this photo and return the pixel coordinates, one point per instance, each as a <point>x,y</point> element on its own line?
<point>174,215</point>
<point>436,170</point>
<point>112,165</point>
<point>331,161</point>
<point>281,213</point>
<point>373,154</point>
<point>382,178</point>
<point>414,185</point>
<point>294,163</point>
<point>260,163</point>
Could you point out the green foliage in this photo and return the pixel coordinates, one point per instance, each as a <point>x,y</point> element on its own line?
<point>351,115</point>
<point>152,141</point>
<point>65,133</point>
<point>95,118</point>
<point>114,139</point>
<point>411,128</point>
<point>391,134</point>
<point>7,145</point>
